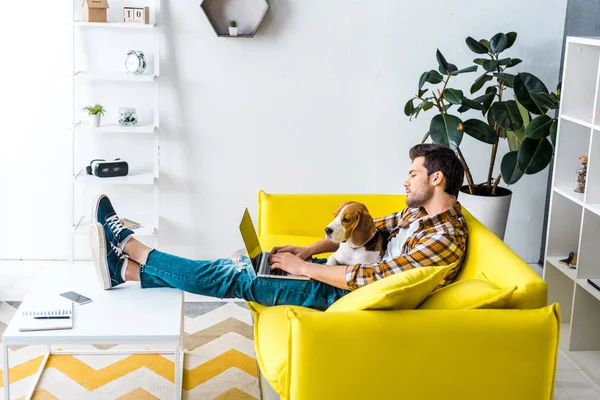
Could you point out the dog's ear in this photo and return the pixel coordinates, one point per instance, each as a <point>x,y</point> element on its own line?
<point>364,229</point>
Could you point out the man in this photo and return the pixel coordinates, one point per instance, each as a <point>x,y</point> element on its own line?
<point>430,231</point>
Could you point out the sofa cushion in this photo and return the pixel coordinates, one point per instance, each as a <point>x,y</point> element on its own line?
<point>271,341</point>
<point>472,293</point>
<point>401,291</point>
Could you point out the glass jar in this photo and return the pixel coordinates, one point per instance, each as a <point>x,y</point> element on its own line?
<point>581,175</point>
<point>127,116</point>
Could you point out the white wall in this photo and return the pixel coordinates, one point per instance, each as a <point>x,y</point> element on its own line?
<point>320,91</point>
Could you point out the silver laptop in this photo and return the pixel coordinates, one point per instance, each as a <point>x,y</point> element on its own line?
<point>260,259</point>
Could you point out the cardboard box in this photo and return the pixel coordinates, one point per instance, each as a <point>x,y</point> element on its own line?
<point>94,10</point>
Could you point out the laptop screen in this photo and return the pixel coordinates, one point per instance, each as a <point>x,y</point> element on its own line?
<point>250,238</point>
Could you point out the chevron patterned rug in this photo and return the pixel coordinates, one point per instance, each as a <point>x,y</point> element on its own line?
<point>220,362</point>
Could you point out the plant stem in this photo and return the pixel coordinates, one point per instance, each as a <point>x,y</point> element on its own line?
<point>467,171</point>
<point>496,183</point>
<point>494,148</point>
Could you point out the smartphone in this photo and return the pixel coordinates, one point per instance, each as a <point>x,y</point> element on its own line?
<point>76,297</point>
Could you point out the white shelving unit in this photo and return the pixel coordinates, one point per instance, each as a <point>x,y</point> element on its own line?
<point>110,132</point>
<point>574,223</point>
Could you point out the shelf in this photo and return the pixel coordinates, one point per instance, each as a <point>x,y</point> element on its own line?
<point>112,76</point>
<point>577,121</point>
<point>114,128</point>
<point>568,193</point>
<point>83,227</point>
<point>248,13</point>
<point>589,288</point>
<point>595,208</point>
<point>571,273</point>
<point>134,178</point>
<point>113,25</point>
<point>245,36</point>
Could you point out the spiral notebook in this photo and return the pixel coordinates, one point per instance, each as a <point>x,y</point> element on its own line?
<point>51,316</point>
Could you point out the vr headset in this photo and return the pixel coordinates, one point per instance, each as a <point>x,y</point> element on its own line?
<point>107,169</point>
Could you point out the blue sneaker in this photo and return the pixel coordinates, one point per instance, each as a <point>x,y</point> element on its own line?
<point>105,215</point>
<point>107,260</point>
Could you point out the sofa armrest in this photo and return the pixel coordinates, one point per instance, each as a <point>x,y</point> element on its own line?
<point>423,354</point>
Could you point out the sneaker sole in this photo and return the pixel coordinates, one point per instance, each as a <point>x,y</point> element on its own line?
<point>98,247</point>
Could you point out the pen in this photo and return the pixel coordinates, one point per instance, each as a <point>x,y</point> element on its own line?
<point>65,317</point>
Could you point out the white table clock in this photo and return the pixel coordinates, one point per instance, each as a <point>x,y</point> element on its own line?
<point>135,63</point>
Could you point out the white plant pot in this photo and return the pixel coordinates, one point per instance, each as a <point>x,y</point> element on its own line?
<point>233,31</point>
<point>95,120</point>
<point>491,211</point>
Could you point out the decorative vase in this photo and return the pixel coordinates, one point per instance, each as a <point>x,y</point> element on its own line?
<point>491,211</point>
<point>127,116</point>
<point>95,120</point>
<point>233,31</point>
<point>581,175</point>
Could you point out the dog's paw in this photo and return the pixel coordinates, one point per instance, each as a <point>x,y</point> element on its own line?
<point>331,261</point>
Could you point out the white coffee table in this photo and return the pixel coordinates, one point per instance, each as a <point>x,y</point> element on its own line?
<point>125,314</point>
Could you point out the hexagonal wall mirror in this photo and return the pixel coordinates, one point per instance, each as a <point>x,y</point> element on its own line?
<point>248,13</point>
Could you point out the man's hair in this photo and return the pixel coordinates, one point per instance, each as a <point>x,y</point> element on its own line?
<point>441,158</point>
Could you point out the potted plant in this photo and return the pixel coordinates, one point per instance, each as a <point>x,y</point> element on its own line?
<point>520,119</point>
<point>95,112</point>
<point>233,27</point>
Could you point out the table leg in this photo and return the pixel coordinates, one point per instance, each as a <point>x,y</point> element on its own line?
<point>178,372</point>
<point>5,371</point>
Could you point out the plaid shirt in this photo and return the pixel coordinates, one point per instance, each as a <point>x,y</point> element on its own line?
<point>439,240</point>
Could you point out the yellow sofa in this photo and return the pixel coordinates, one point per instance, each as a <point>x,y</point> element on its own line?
<point>306,354</point>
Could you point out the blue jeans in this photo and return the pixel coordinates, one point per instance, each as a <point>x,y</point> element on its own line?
<point>226,278</point>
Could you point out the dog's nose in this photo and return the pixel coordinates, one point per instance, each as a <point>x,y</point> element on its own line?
<point>328,230</point>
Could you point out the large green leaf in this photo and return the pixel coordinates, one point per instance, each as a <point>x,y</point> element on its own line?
<point>427,105</point>
<point>472,68</point>
<point>409,108</point>
<point>506,114</point>
<point>539,127</point>
<point>488,98</point>
<point>553,129</point>
<point>505,61</point>
<point>479,82</point>
<point>431,76</point>
<point>480,131</point>
<point>475,46</point>
<point>486,44</point>
<point>512,36</point>
<point>525,84</point>
<point>514,61</point>
<point>498,42</point>
<point>468,104</point>
<point>510,168</point>
<point>446,130</point>
<point>524,114</point>
<point>545,100</point>
<point>490,65</point>
<point>480,61</point>
<point>534,155</point>
<point>422,92</point>
<point>441,61</point>
<point>453,96</point>
<point>506,79</point>
<point>515,138</point>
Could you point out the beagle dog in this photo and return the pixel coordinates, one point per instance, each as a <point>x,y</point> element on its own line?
<point>353,228</point>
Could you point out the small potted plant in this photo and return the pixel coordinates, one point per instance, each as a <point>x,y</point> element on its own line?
<point>95,112</point>
<point>233,27</point>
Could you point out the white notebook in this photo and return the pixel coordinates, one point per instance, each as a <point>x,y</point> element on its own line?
<point>47,317</point>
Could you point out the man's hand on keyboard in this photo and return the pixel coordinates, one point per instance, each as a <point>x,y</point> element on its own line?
<point>290,263</point>
<point>302,252</point>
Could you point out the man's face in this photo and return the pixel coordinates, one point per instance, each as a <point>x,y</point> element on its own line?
<point>419,190</point>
